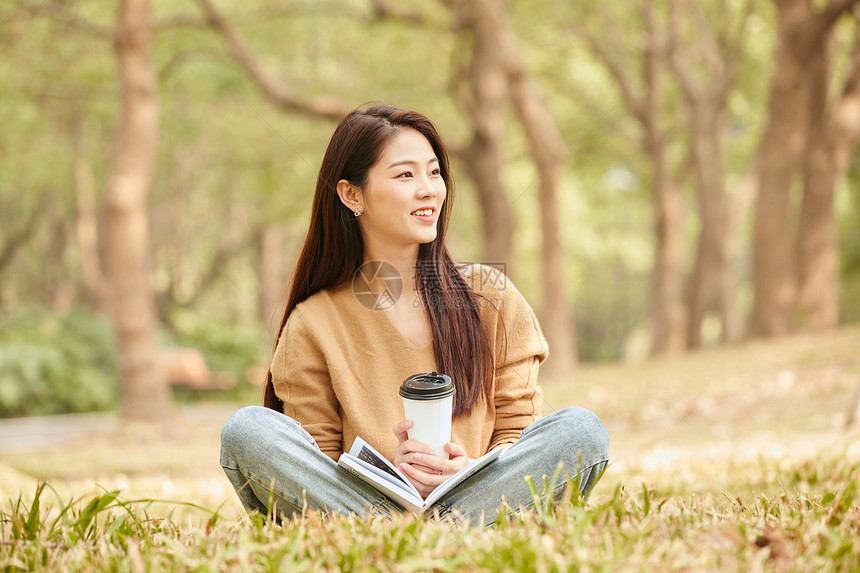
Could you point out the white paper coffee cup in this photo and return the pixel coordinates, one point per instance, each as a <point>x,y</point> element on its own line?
<point>428,400</point>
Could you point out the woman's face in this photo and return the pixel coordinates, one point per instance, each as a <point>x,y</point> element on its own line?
<point>404,193</point>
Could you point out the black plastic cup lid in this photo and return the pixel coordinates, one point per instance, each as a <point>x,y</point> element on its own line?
<point>429,386</point>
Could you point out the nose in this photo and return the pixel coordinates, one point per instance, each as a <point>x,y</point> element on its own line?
<point>426,187</point>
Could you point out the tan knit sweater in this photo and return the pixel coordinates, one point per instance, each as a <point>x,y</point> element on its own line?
<point>339,365</point>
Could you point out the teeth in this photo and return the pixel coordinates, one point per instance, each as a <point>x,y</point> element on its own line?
<point>423,212</point>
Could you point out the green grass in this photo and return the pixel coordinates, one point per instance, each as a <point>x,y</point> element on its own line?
<point>727,460</point>
<point>804,518</point>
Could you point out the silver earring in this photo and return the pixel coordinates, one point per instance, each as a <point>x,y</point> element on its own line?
<point>357,212</point>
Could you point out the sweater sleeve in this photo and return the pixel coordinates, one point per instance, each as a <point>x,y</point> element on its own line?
<point>520,348</point>
<point>301,378</point>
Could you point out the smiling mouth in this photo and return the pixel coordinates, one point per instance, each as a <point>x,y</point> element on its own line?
<point>424,212</point>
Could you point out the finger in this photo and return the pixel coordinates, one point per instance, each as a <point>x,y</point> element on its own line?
<point>427,476</point>
<point>406,451</point>
<point>425,469</point>
<point>401,430</point>
<point>412,446</point>
<point>434,464</point>
<point>420,487</point>
<point>455,450</point>
<point>441,466</point>
<point>426,479</point>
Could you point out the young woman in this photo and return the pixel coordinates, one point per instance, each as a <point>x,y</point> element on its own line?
<point>375,299</point>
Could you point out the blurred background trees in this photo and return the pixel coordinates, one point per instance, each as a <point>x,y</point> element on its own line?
<point>658,176</point>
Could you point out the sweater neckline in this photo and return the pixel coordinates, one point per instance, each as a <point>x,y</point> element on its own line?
<point>386,323</point>
<point>391,326</point>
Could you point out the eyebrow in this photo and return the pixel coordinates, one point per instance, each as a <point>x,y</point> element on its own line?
<point>411,162</point>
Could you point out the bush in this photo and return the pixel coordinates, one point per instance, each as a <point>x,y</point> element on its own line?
<point>52,364</point>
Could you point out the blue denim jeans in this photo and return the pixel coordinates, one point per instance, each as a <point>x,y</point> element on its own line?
<point>273,462</point>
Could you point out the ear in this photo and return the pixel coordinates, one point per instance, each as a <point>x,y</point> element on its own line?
<point>350,195</point>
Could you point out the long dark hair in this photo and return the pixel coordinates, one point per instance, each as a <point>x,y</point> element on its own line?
<point>333,252</point>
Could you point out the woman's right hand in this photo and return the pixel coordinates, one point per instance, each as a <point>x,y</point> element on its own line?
<point>406,449</point>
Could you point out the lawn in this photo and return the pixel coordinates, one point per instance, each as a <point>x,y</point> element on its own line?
<point>730,459</point>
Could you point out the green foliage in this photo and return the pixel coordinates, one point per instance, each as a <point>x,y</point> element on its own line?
<point>52,364</point>
<point>230,162</point>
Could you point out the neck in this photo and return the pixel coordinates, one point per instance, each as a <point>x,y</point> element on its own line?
<point>403,258</point>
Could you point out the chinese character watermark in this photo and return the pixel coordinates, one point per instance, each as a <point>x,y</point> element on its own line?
<point>378,285</point>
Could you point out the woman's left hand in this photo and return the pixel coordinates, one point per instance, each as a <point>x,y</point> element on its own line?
<point>425,470</point>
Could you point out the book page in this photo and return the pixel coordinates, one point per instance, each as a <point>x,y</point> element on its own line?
<point>369,465</point>
<point>366,453</point>
<point>382,482</point>
<point>395,481</point>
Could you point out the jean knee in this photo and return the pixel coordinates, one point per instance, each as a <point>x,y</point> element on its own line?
<point>260,429</point>
<point>585,429</point>
<point>246,423</point>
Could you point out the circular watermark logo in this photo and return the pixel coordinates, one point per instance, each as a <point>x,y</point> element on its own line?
<point>377,285</point>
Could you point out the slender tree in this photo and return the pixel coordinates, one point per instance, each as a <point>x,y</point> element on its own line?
<point>93,280</point>
<point>800,63</point>
<point>640,75</point>
<point>704,59</point>
<point>145,393</point>
<point>270,269</point>
<point>547,150</point>
<point>480,86</point>
<point>834,133</point>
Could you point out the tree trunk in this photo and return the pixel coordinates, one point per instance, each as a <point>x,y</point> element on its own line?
<point>669,311</point>
<point>780,152</point>
<point>817,301</point>
<point>86,225</point>
<point>706,103</point>
<point>11,242</point>
<point>145,394</point>
<point>832,140</point>
<point>707,127</point>
<point>63,294</point>
<point>647,104</point>
<point>803,37</point>
<point>483,104</point>
<point>818,298</point>
<point>737,206</point>
<point>668,315</point>
<point>482,161</point>
<point>546,148</point>
<point>272,289</point>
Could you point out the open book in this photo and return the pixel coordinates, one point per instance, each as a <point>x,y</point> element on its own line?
<point>370,466</point>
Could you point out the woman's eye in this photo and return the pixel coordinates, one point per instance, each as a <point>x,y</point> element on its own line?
<point>436,171</point>
<point>406,174</point>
